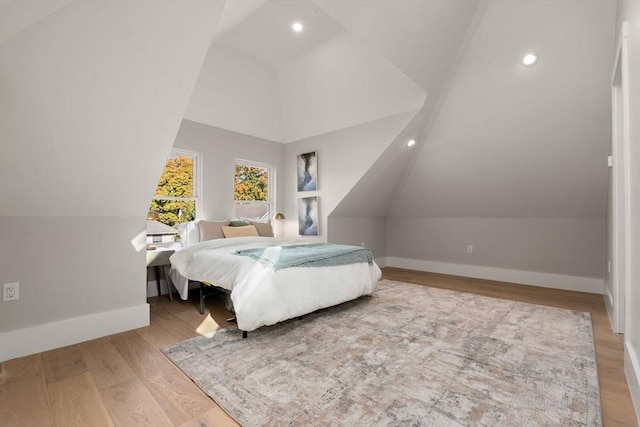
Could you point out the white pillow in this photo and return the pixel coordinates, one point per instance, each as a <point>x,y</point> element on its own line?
<point>188,232</point>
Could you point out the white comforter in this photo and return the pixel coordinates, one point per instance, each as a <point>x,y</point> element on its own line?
<point>262,296</point>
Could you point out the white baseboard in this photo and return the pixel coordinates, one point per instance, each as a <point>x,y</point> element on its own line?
<point>382,262</point>
<point>533,278</point>
<point>23,342</point>
<point>632,372</point>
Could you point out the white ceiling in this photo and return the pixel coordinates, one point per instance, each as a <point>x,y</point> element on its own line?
<point>507,140</point>
<point>267,35</point>
<point>16,15</point>
<point>495,138</point>
<point>516,141</point>
<point>320,80</point>
<point>420,38</point>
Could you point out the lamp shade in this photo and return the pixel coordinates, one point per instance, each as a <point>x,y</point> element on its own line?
<point>278,224</point>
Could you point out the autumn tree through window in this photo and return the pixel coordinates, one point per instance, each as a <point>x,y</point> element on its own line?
<point>176,195</point>
<point>253,189</point>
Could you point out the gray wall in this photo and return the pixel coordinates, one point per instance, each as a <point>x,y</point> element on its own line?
<point>368,232</point>
<point>219,148</point>
<point>573,247</point>
<point>70,267</point>
<point>523,182</point>
<point>344,156</point>
<point>92,98</point>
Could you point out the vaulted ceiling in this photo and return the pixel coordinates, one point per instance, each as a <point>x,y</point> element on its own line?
<point>495,138</point>
<point>517,141</point>
<point>262,79</point>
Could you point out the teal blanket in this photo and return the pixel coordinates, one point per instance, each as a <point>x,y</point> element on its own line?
<point>310,255</point>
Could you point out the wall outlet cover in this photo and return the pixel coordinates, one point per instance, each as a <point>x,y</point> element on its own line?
<point>10,292</point>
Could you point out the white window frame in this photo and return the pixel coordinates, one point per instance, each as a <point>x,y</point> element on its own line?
<point>271,187</point>
<point>197,178</point>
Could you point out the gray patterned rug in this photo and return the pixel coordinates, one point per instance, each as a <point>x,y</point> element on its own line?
<point>407,355</point>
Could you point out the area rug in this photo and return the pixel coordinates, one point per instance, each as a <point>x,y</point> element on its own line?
<point>406,355</point>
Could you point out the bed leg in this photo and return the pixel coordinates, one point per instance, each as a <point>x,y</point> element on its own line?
<point>244,334</point>
<point>201,298</point>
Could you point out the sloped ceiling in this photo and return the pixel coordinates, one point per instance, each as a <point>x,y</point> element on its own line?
<point>325,78</point>
<point>517,141</point>
<point>15,15</point>
<point>92,98</point>
<point>420,38</point>
<point>371,195</point>
<point>495,138</point>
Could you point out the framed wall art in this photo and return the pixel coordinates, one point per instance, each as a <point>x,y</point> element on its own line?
<point>308,171</point>
<point>308,218</point>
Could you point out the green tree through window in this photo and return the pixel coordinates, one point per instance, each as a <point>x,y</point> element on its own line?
<point>251,192</point>
<point>252,183</point>
<point>175,197</point>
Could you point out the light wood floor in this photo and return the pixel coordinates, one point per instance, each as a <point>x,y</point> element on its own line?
<point>124,379</point>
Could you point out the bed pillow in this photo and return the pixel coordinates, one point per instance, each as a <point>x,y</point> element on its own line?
<point>189,233</point>
<point>210,230</point>
<point>264,228</point>
<point>246,231</point>
<point>239,222</point>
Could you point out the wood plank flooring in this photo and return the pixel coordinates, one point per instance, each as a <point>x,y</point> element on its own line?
<point>125,380</point>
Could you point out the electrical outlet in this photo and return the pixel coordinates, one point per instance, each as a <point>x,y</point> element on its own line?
<point>470,249</point>
<point>10,292</point>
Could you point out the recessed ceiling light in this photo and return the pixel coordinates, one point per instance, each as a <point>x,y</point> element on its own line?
<point>529,58</point>
<point>411,143</point>
<point>297,27</point>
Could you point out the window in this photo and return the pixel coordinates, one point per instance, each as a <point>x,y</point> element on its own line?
<point>176,199</point>
<point>254,189</point>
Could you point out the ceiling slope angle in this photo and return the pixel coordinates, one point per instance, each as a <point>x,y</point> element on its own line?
<point>418,37</point>
<point>118,78</point>
<point>342,83</point>
<point>263,79</point>
<point>371,195</point>
<point>237,92</point>
<point>233,13</point>
<point>421,38</point>
<point>17,15</point>
<point>521,141</point>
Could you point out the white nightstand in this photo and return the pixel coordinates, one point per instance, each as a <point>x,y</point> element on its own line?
<point>158,258</point>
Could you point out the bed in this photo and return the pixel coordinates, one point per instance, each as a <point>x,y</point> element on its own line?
<point>263,292</point>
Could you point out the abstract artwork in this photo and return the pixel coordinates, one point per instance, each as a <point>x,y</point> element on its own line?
<point>308,216</point>
<point>308,171</point>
